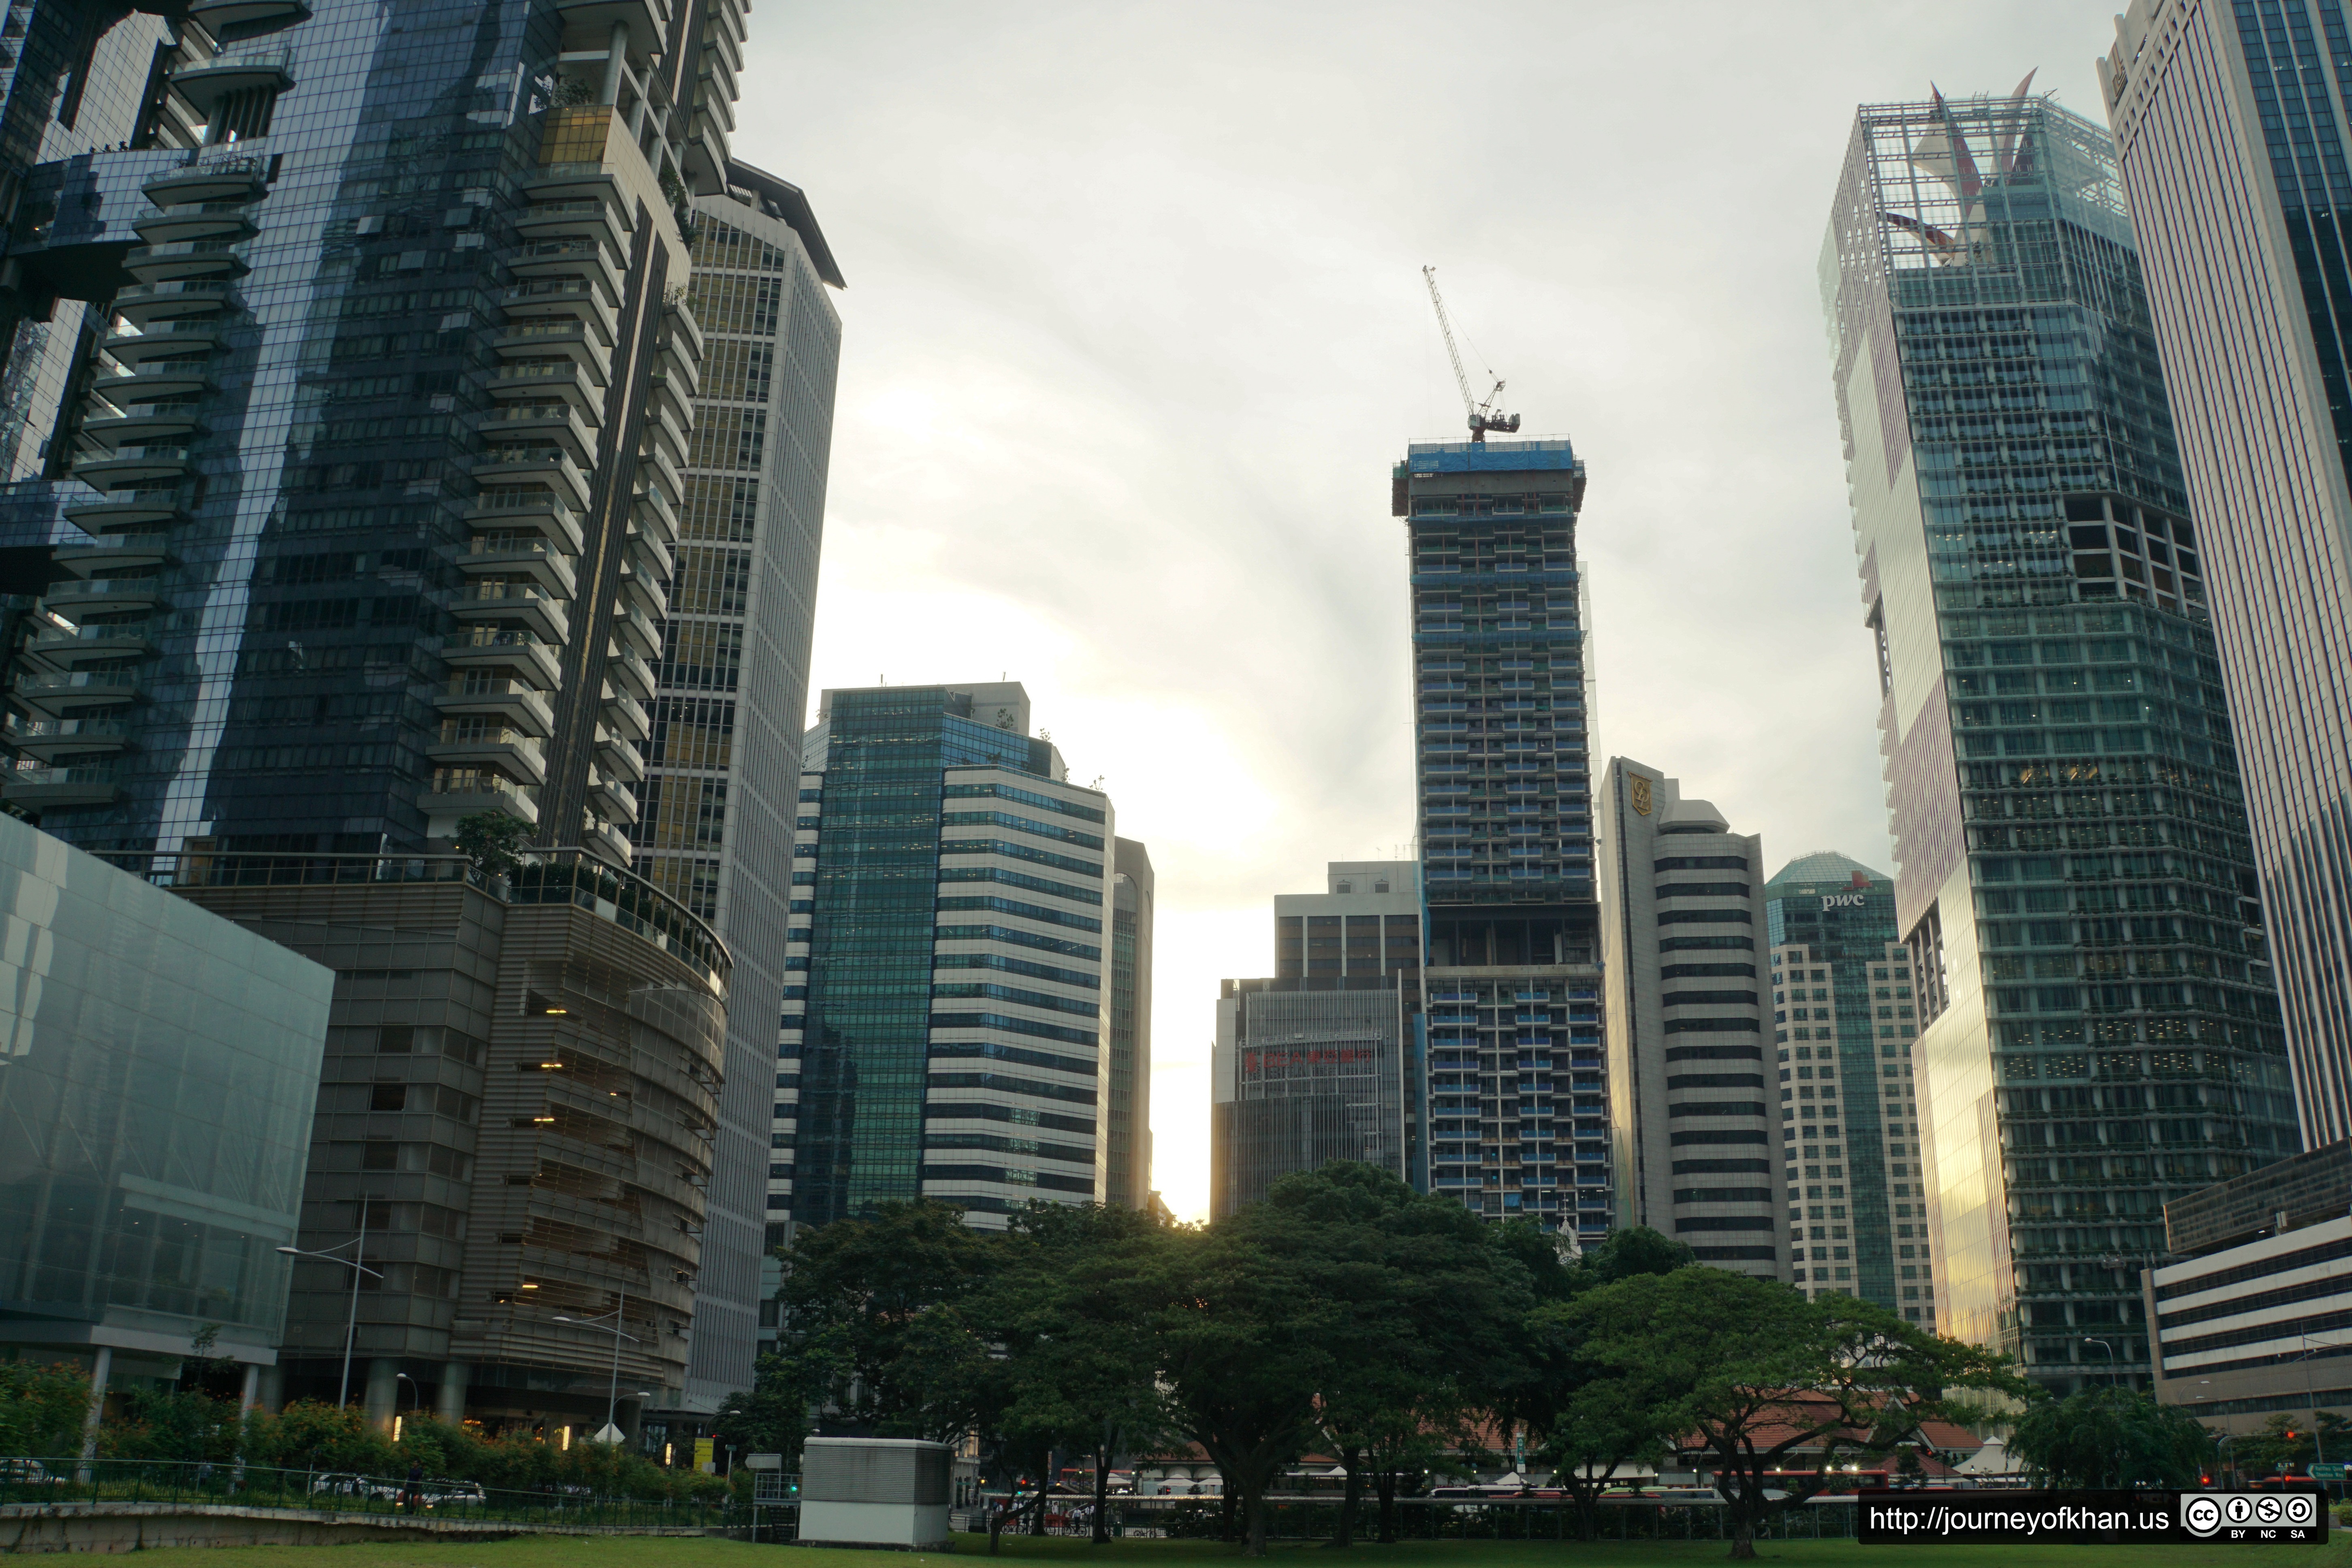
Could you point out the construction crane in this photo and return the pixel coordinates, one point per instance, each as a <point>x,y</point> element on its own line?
<point>1484,416</point>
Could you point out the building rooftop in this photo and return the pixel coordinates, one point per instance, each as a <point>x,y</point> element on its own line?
<point>1823,866</point>
<point>1465,457</point>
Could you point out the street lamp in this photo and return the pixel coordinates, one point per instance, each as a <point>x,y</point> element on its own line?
<point>612,1397</point>
<point>2089,1340</point>
<point>351,1324</point>
<point>416,1395</point>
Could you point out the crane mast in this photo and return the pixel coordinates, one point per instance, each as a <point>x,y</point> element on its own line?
<point>1484,416</point>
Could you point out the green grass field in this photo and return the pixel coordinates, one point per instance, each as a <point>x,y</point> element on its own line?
<point>627,1551</point>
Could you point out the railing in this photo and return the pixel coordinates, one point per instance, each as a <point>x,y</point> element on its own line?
<point>1440,1518</point>
<point>86,1482</point>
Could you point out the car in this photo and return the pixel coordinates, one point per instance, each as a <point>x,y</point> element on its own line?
<point>27,1473</point>
<point>345,1484</point>
<point>441,1490</point>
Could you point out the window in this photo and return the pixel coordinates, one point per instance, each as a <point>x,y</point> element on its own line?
<point>388,1096</point>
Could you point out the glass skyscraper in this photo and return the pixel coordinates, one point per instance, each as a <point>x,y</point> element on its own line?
<point>1503,787</point>
<point>2073,875</point>
<point>2231,127</point>
<point>946,1032</point>
<point>1843,1023</point>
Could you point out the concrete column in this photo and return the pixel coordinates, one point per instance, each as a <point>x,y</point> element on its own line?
<point>629,1416</point>
<point>251,1395</point>
<point>382,1391</point>
<point>273,1388</point>
<point>449,1398</point>
<point>616,64</point>
<point>98,1376</point>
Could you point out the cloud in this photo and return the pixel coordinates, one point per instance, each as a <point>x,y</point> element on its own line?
<point>1136,329</point>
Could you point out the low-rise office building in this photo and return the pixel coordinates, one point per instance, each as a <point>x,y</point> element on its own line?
<point>158,1065</point>
<point>2254,1322</point>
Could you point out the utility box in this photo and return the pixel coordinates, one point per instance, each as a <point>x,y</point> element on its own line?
<point>875,1491</point>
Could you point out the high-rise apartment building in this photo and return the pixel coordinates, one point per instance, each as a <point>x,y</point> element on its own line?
<point>1302,1074</point>
<point>1503,793</point>
<point>2231,126</point>
<point>717,802</point>
<point>1697,1140</point>
<point>1127,1163</point>
<point>955,898</point>
<point>1843,1023</point>
<point>2098,1033</point>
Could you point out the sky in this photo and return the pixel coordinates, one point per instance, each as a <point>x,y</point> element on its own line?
<point>1136,329</point>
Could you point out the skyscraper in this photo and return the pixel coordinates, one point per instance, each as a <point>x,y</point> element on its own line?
<point>722,770</point>
<point>1698,1143</point>
<point>1301,1077</point>
<point>1504,802</point>
<point>951,1039</point>
<point>1843,1010</point>
<point>2069,836</point>
<point>1127,1163</point>
<point>2231,130</point>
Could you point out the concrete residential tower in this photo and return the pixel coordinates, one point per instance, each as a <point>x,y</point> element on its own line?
<point>1518,1122</point>
<point>1127,1162</point>
<point>1696,1133</point>
<point>2231,131</point>
<point>2098,1032</point>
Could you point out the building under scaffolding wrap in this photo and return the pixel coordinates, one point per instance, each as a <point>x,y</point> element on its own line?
<point>2099,1028</point>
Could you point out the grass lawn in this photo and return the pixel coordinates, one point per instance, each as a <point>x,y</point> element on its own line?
<point>1053,1552</point>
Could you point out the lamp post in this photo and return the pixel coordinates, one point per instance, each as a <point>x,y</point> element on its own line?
<point>351,1324</point>
<point>612,1397</point>
<point>2089,1339</point>
<point>416,1395</point>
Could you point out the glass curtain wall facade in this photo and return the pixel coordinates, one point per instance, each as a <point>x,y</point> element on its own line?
<point>731,684</point>
<point>950,1041</point>
<point>361,429</point>
<point>2073,864</point>
<point>2229,123</point>
<point>1503,793</point>
<point>157,1070</point>
<point>1302,1076</point>
<point>1844,1022</point>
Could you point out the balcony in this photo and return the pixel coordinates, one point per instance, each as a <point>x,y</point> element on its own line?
<point>655,509</point>
<point>176,337</point>
<point>585,261</point>
<point>648,593</point>
<point>629,674</point>
<point>184,258</point>
<point>561,299</point>
<point>136,510</point>
<point>663,469</point>
<point>212,179</point>
<point>65,693</point>
<point>76,597</point>
<point>49,787</point>
<point>681,319</point>
<point>635,630</point>
<point>604,841</point>
<point>216,15</point>
<point>505,554</point>
<point>666,431</point>
<point>664,395</point>
<point>155,379</point>
<point>525,602</point>
<point>143,423</point>
<point>113,551</point>
<point>575,340</point>
<point>584,219</point>
<point>62,647</point>
<point>552,423</point>
<point>482,742</point>
<point>196,220</point>
<point>624,714</point>
<point>619,757</point>
<point>682,363</point>
<point>611,799</point>
<point>51,739</point>
<point>549,465</point>
<point>457,792</point>
<point>652,556</point>
<point>129,466</point>
<point>494,647</point>
<point>510,510</point>
<point>204,83</point>
<point>539,379</point>
<point>523,707</point>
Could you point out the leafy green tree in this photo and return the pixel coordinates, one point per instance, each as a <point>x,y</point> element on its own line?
<point>1754,1373</point>
<point>776,1414</point>
<point>493,841</point>
<point>2109,1438</point>
<point>169,1424</point>
<point>883,1296</point>
<point>312,1435</point>
<point>42,1407</point>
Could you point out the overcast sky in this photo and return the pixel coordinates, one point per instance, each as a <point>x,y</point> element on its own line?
<point>1135,328</point>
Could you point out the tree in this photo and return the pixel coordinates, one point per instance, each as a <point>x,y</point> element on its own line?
<point>492,840</point>
<point>881,1298</point>
<point>788,1387</point>
<point>42,1407</point>
<point>1756,1374</point>
<point>2109,1438</point>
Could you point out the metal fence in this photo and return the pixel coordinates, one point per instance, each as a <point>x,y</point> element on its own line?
<point>83,1482</point>
<point>1447,1519</point>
